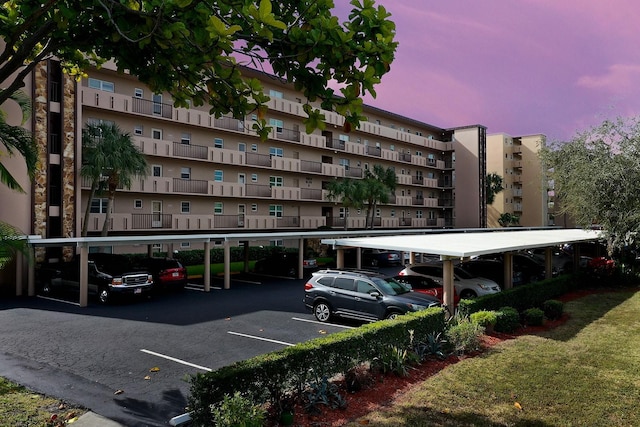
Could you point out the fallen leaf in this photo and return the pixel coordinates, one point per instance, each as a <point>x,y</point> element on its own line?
<point>517,405</point>
<point>147,377</point>
<point>228,318</point>
<point>154,369</point>
<point>72,420</point>
<point>119,392</point>
<point>322,331</point>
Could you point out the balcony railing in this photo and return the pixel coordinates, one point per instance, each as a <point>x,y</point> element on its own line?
<point>288,221</point>
<point>374,151</point>
<point>405,222</point>
<point>229,123</point>
<point>151,108</point>
<point>288,134</point>
<point>392,199</point>
<point>190,186</point>
<point>445,183</point>
<point>311,193</point>
<point>335,222</point>
<point>256,159</point>
<point>417,201</point>
<point>432,222</point>
<point>353,172</point>
<point>55,145</point>
<point>445,203</point>
<point>228,221</point>
<point>257,190</point>
<point>417,180</point>
<point>404,157</point>
<point>192,151</point>
<point>309,166</point>
<point>55,91</point>
<point>336,144</point>
<point>148,221</point>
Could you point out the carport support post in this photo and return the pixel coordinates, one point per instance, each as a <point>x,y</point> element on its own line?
<point>508,270</point>
<point>548,262</point>
<point>245,245</point>
<point>227,264</point>
<point>340,257</point>
<point>31,272</point>
<point>358,258</point>
<point>207,266</point>
<point>84,275</point>
<point>19,270</point>
<point>447,285</point>
<point>300,258</point>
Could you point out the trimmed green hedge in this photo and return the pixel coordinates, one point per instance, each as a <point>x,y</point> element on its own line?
<point>268,377</point>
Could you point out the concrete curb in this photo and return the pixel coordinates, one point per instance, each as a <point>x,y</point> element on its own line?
<point>91,419</point>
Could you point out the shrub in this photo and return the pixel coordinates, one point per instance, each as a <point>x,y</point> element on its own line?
<point>507,319</point>
<point>533,317</point>
<point>434,345</point>
<point>464,335</point>
<point>237,411</point>
<point>485,318</point>
<point>553,309</point>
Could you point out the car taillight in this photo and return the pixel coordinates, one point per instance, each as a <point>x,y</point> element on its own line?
<point>402,273</point>
<point>308,286</point>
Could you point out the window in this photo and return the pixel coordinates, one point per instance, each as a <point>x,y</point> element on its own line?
<point>217,208</point>
<point>419,153</point>
<point>431,159</point>
<point>276,152</point>
<point>157,104</point>
<point>218,175</point>
<point>185,245</point>
<point>345,163</point>
<point>278,242</point>
<point>138,130</point>
<point>185,138</point>
<point>276,181</point>
<point>278,125</point>
<point>254,177</point>
<point>418,214</point>
<point>275,94</point>
<point>99,205</point>
<point>218,143</point>
<point>392,147</point>
<point>254,147</point>
<point>185,173</point>
<point>241,209</point>
<point>101,85</point>
<point>242,147</point>
<point>344,138</point>
<point>138,93</point>
<point>393,213</point>
<point>377,121</point>
<point>185,207</point>
<point>342,212</point>
<point>242,179</point>
<point>137,204</point>
<point>254,117</point>
<point>432,215</point>
<point>254,207</point>
<point>275,210</point>
<point>156,133</point>
<point>156,170</point>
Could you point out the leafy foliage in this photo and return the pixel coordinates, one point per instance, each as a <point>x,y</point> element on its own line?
<point>463,335</point>
<point>484,318</point>
<point>508,219</point>
<point>323,392</point>
<point>237,411</point>
<point>494,186</point>
<point>595,177</point>
<point>508,319</point>
<point>553,309</point>
<point>533,316</point>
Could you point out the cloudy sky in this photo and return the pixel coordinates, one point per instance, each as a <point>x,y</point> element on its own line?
<point>516,66</point>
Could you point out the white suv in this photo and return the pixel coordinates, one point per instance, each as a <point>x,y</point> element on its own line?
<point>467,285</point>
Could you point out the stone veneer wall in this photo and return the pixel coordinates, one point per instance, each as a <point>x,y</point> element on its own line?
<point>40,136</point>
<point>68,208</point>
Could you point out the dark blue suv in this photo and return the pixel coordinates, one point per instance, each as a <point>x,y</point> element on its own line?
<point>361,295</point>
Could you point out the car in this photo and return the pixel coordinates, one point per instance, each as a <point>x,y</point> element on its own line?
<point>466,284</point>
<point>373,257</point>
<point>530,268</point>
<point>168,273</point>
<point>361,295</point>
<point>491,269</point>
<point>426,285</point>
<point>108,275</point>
<point>284,264</point>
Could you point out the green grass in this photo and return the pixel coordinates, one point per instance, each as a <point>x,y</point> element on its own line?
<point>584,372</point>
<point>21,408</point>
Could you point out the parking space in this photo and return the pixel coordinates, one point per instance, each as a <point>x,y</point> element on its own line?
<point>128,361</point>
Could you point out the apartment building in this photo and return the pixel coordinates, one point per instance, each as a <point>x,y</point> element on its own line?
<point>214,175</point>
<point>526,192</point>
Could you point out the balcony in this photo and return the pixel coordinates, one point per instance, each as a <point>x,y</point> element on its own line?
<point>256,159</point>
<point>335,222</point>
<point>196,186</point>
<point>151,108</point>
<point>417,201</point>
<point>417,180</point>
<point>191,151</point>
<point>336,144</point>
<point>404,157</point>
<point>374,151</point>
<point>445,203</point>
<point>228,221</point>
<point>258,190</point>
<point>353,172</point>
<point>445,183</point>
<point>150,221</point>
<point>311,194</point>
<point>229,123</point>
<point>310,166</point>
<point>404,222</point>
<point>288,134</point>
<point>288,221</point>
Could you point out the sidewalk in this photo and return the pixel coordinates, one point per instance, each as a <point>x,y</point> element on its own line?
<point>91,419</point>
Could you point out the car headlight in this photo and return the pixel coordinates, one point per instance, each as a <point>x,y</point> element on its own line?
<point>484,286</point>
<point>416,307</point>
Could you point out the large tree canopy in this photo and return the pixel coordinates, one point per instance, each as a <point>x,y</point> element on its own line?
<point>192,49</point>
<point>596,177</point>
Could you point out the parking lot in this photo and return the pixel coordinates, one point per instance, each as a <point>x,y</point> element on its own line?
<point>129,361</point>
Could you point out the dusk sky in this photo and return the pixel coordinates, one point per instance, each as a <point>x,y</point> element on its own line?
<point>521,67</point>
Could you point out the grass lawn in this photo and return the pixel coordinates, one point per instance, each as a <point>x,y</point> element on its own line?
<point>21,408</point>
<point>585,372</point>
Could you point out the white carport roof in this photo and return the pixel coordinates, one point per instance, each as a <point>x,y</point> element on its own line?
<point>472,243</point>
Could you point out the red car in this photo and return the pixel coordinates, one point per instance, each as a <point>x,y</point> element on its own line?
<point>427,286</point>
<point>168,273</point>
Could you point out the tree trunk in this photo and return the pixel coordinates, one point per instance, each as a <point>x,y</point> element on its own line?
<point>107,217</point>
<point>87,212</point>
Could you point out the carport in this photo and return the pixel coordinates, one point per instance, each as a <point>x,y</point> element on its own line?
<point>458,245</point>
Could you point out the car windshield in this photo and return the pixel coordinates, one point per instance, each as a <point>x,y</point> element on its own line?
<point>390,286</point>
<point>463,274</point>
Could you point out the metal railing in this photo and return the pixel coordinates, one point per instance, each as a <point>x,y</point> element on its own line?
<point>374,151</point>
<point>256,159</point>
<point>149,221</point>
<point>311,194</point>
<point>288,221</point>
<point>288,134</point>
<point>353,172</point>
<point>258,190</point>
<point>190,186</point>
<point>336,144</point>
<point>309,166</point>
<point>405,222</point>
<point>228,221</point>
<point>151,108</point>
<point>404,157</point>
<point>229,123</point>
<point>192,151</point>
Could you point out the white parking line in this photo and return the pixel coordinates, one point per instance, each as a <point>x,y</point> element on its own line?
<point>322,323</point>
<point>173,359</point>
<point>261,338</point>
<point>59,300</point>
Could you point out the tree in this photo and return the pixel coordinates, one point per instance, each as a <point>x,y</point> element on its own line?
<point>350,192</point>
<point>494,186</point>
<point>508,219</point>
<point>110,161</point>
<point>378,184</point>
<point>596,176</point>
<point>193,49</point>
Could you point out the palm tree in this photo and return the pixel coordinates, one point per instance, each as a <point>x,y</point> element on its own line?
<point>378,185</point>
<point>494,186</point>
<point>110,160</point>
<point>348,191</point>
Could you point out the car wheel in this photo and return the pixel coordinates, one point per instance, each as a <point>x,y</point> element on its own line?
<point>322,311</point>
<point>374,262</point>
<point>47,289</point>
<point>468,294</point>
<point>104,295</point>
<point>292,272</point>
<point>393,315</point>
